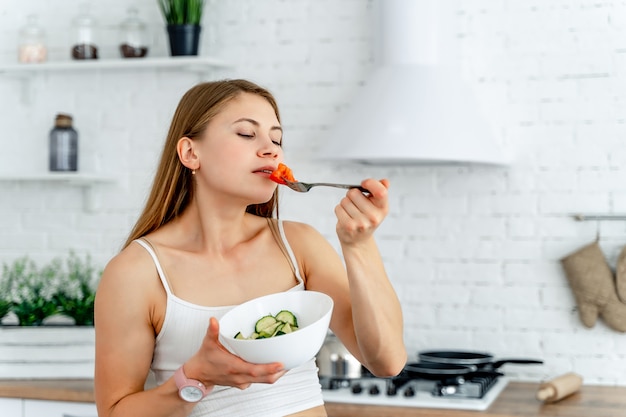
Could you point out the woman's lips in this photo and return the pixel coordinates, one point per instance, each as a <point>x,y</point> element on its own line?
<point>265,172</point>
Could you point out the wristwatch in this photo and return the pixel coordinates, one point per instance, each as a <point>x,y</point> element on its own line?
<point>190,390</point>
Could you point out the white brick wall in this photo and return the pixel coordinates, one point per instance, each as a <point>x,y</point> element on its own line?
<point>473,251</point>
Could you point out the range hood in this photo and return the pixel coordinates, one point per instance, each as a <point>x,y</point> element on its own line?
<point>415,108</point>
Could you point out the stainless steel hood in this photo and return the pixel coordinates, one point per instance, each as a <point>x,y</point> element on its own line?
<point>415,108</point>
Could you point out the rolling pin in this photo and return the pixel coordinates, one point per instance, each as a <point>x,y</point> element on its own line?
<point>559,387</point>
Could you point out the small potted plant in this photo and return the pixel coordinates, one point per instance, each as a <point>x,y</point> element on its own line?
<point>31,292</point>
<point>77,293</point>
<point>183,19</point>
<point>34,294</point>
<point>63,288</point>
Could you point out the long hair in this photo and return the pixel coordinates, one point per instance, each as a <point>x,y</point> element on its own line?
<point>173,186</point>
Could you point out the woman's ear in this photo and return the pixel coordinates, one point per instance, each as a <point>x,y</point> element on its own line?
<point>187,153</point>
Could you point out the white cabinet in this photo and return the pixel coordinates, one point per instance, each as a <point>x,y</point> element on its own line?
<point>11,407</point>
<point>16,407</point>
<point>50,352</point>
<point>38,408</point>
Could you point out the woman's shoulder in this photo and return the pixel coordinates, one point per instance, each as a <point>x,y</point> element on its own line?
<point>303,235</point>
<point>129,280</point>
<point>297,228</point>
<point>133,261</point>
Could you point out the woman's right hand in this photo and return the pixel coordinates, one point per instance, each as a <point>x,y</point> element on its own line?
<point>213,364</point>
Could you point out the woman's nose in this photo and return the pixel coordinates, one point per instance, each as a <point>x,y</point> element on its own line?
<point>269,148</point>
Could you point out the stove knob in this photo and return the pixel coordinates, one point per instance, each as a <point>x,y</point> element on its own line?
<point>357,388</point>
<point>392,390</point>
<point>449,390</point>
<point>374,390</point>
<point>409,392</point>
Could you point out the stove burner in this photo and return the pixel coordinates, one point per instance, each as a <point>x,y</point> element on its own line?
<point>474,392</point>
<point>474,387</point>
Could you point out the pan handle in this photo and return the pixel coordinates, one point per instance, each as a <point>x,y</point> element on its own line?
<point>497,364</point>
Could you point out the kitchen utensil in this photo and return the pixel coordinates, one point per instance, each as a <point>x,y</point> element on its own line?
<point>559,387</point>
<point>304,187</point>
<point>335,361</point>
<point>593,283</point>
<point>444,371</point>
<point>483,361</point>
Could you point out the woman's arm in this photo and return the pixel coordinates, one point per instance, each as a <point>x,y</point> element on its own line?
<point>125,340</point>
<point>367,316</point>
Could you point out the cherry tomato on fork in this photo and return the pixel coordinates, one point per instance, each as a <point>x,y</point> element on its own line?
<point>282,173</point>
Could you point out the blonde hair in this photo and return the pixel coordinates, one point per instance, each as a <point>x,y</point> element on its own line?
<point>173,185</point>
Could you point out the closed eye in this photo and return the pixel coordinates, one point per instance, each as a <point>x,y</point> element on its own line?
<point>245,136</point>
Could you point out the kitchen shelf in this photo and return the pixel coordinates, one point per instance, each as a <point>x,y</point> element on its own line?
<point>599,217</point>
<point>200,65</point>
<point>204,66</point>
<point>85,181</point>
<point>197,64</point>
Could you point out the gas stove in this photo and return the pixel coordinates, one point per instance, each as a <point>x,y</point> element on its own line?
<point>474,393</point>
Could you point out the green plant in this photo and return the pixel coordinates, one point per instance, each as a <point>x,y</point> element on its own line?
<point>5,297</point>
<point>182,12</point>
<point>34,294</point>
<point>77,293</point>
<point>30,291</point>
<point>5,307</point>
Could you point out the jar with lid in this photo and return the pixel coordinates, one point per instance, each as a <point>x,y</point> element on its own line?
<point>32,42</point>
<point>84,27</point>
<point>133,36</point>
<point>63,144</point>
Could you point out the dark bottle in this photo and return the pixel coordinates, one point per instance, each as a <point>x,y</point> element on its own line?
<point>63,145</point>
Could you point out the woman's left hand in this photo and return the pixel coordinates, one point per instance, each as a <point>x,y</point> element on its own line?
<point>359,214</point>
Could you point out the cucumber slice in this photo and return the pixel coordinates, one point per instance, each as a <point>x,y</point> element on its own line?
<point>269,326</point>
<point>269,332</point>
<point>278,329</point>
<point>285,329</point>
<point>264,323</point>
<point>287,317</point>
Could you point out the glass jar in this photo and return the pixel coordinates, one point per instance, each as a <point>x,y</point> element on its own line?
<point>133,36</point>
<point>32,42</point>
<point>63,143</point>
<point>84,44</point>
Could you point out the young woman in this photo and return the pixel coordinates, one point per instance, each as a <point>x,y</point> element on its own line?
<point>209,239</point>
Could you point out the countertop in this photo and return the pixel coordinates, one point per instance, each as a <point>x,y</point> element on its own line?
<point>79,390</point>
<point>517,400</point>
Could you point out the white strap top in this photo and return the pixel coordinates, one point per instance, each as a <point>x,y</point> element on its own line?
<point>184,327</point>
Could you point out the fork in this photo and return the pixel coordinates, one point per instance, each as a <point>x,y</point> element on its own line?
<point>304,187</point>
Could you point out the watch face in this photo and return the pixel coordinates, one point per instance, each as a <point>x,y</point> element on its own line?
<point>191,394</point>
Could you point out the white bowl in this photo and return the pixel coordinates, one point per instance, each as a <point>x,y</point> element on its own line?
<point>312,310</point>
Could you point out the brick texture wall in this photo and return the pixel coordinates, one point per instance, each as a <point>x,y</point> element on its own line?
<point>473,251</point>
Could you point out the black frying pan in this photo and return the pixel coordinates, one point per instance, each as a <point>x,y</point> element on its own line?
<point>482,361</point>
<point>444,371</point>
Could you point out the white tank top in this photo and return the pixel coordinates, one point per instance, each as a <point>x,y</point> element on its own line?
<point>184,328</point>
